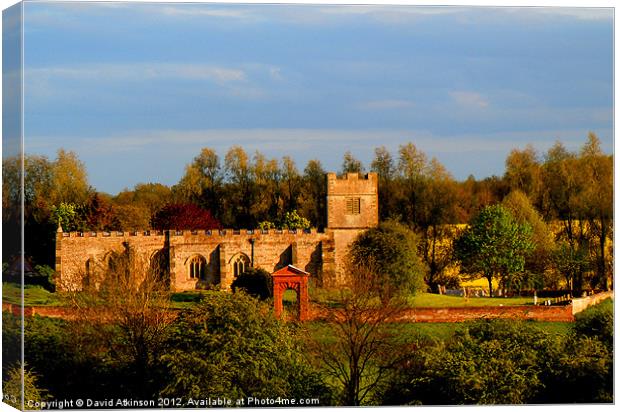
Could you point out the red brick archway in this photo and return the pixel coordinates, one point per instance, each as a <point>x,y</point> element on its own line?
<point>293,278</point>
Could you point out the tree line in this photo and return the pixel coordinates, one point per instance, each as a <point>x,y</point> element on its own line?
<point>564,196</point>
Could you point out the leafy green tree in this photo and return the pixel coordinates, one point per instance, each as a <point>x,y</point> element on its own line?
<point>99,213</point>
<point>364,343</point>
<point>524,172</point>
<point>562,186</point>
<point>38,183</point>
<point>495,245</point>
<point>291,182</point>
<point>230,345</point>
<point>572,262</point>
<point>383,165</point>
<point>130,217</point>
<point>65,215</point>
<point>266,225</point>
<point>69,179</point>
<point>313,198</point>
<point>150,196</point>
<point>292,220</point>
<point>241,189</point>
<point>474,195</point>
<point>133,209</point>
<point>412,169</point>
<point>520,207</point>
<point>390,251</point>
<point>596,203</point>
<point>436,210</point>
<point>350,164</point>
<point>268,188</point>
<point>46,183</point>
<point>412,162</point>
<point>202,182</point>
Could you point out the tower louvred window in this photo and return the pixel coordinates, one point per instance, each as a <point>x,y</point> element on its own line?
<point>353,205</point>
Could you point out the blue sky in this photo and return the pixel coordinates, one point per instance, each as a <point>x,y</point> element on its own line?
<point>137,89</point>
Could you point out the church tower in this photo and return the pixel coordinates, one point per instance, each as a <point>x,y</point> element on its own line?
<point>352,207</point>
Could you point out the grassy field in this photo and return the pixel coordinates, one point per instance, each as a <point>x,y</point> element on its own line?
<point>423,300</point>
<point>436,331</point>
<point>33,295</point>
<point>37,296</point>
<point>430,300</point>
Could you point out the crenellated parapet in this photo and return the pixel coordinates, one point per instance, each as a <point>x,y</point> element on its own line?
<point>213,233</point>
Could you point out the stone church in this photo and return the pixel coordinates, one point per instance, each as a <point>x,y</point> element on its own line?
<point>195,259</point>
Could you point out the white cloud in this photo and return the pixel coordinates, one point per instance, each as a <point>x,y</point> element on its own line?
<point>206,10</point>
<point>580,13</point>
<point>469,100</point>
<point>140,71</point>
<point>285,140</point>
<point>73,13</point>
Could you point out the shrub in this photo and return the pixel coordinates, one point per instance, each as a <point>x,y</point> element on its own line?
<point>580,372</point>
<point>255,282</point>
<point>12,388</point>
<point>230,345</point>
<point>487,362</point>
<point>597,322</point>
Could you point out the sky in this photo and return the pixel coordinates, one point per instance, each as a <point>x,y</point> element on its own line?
<point>136,90</point>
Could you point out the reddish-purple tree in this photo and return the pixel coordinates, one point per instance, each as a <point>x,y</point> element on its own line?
<point>184,216</point>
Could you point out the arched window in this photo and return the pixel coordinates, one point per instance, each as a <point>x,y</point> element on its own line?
<point>240,264</point>
<point>196,267</point>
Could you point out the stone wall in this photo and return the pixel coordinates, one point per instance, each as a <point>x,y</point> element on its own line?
<point>77,253</point>
<point>269,250</point>
<point>581,304</point>
<point>539,313</point>
<point>423,315</point>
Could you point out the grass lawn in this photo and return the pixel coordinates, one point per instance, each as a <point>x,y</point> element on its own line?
<point>436,331</point>
<point>424,300</point>
<point>185,300</point>
<point>37,296</point>
<point>431,300</point>
<point>33,295</point>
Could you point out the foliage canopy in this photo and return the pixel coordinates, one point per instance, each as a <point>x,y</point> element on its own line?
<point>389,250</point>
<point>494,246</point>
